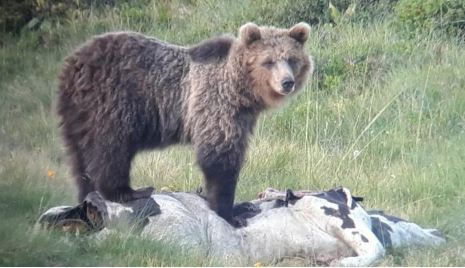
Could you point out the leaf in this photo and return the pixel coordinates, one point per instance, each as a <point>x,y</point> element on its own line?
<point>350,11</point>
<point>32,24</point>
<point>334,13</point>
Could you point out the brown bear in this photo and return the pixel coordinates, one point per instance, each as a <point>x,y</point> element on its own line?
<point>125,92</point>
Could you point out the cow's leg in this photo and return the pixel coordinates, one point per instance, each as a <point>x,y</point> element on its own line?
<point>362,241</point>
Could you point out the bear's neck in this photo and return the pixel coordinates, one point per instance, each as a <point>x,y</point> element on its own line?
<point>236,71</point>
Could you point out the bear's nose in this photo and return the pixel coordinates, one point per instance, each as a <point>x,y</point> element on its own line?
<point>287,85</point>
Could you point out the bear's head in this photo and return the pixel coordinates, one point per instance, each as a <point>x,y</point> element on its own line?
<point>276,63</point>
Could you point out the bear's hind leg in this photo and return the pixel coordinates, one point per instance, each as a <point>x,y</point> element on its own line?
<point>111,167</point>
<point>83,181</point>
<point>85,186</point>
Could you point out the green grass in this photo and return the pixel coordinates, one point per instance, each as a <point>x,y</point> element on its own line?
<point>384,115</point>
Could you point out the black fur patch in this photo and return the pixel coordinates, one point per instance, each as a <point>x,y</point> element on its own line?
<point>338,196</point>
<point>246,210</point>
<point>212,49</point>
<point>279,203</point>
<point>437,233</point>
<point>394,219</point>
<point>144,207</point>
<point>342,213</point>
<point>364,239</point>
<point>290,198</point>
<point>382,232</point>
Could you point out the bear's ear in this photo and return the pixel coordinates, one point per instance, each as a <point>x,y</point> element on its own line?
<point>249,32</point>
<point>213,49</point>
<point>300,32</point>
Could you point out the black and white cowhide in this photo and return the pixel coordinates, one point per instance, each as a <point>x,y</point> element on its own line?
<point>328,228</point>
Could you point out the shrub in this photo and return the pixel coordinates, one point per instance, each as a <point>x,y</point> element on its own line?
<point>286,13</point>
<point>369,11</point>
<point>447,16</point>
<point>17,14</point>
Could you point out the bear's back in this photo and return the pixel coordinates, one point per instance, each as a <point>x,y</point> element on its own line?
<point>127,77</point>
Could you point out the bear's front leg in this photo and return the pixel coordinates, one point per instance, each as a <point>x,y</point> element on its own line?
<point>220,196</point>
<point>221,171</point>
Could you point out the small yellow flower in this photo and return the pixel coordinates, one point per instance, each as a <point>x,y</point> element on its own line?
<point>258,264</point>
<point>51,173</point>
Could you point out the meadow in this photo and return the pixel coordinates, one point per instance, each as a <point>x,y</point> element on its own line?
<point>383,115</point>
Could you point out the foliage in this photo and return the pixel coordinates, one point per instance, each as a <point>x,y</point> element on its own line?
<point>14,14</point>
<point>430,15</point>
<point>289,12</point>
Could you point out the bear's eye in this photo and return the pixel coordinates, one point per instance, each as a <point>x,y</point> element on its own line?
<point>268,63</point>
<point>292,61</point>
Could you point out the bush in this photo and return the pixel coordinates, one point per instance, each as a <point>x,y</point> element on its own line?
<point>14,14</point>
<point>446,16</point>
<point>17,14</point>
<point>369,11</point>
<point>287,13</point>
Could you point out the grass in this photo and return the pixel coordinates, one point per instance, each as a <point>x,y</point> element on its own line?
<point>384,115</point>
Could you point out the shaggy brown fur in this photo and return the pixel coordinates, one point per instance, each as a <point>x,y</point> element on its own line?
<point>125,92</point>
